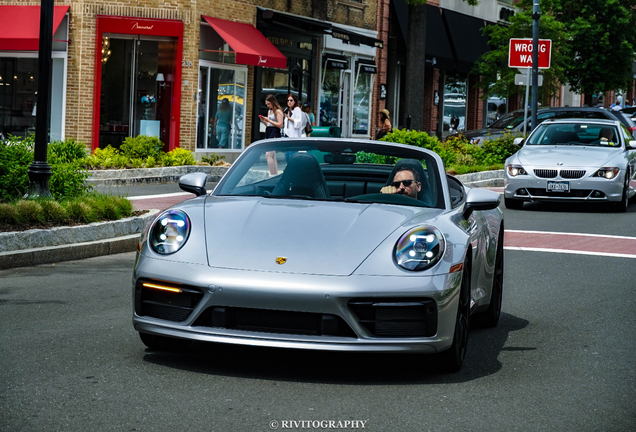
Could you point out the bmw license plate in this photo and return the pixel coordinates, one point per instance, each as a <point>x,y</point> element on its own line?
<point>555,186</point>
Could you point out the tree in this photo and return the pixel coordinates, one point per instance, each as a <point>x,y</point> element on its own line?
<point>593,44</point>
<point>603,42</point>
<point>415,61</point>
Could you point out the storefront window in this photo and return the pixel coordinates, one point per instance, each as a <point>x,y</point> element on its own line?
<point>136,88</point>
<point>221,108</point>
<point>18,96</point>
<point>362,99</point>
<point>330,97</point>
<point>275,82</point>
<point>454,104</point>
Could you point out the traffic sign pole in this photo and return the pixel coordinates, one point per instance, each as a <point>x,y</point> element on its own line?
<point>525,104</point>
<point>536,14</point>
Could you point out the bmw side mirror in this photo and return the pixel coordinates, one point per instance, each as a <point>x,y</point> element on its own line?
<point>631,144</point>
<point>518,141</point>
<point>481,199</point>
<point>194,183</point>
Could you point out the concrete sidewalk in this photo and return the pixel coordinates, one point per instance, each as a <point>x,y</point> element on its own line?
<point>33,247</point>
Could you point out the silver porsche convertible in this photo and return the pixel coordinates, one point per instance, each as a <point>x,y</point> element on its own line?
<point>326,244</point>
<point>577,160</point>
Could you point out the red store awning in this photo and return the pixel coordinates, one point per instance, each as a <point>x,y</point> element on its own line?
<point>251,47</point>
<point>20,26</point>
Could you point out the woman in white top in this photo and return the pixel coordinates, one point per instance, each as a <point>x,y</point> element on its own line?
<point>294,118</point>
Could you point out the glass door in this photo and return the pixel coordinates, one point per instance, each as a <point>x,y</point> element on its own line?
<point>221,107</point>
<point>136,88</point>
<point>344,102</point>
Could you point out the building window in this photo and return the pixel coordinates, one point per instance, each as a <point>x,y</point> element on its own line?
<point>221,107</point>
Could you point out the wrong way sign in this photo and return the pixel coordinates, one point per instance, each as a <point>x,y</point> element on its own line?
<point>520,53</point>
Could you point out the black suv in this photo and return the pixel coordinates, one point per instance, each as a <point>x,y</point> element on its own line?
<point>513,122</point>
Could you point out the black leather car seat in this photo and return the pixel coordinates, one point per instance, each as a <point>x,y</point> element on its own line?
<point>302,177</point>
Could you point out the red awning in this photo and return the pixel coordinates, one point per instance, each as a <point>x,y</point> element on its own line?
<point>251,47</point>
<point>20,26</point>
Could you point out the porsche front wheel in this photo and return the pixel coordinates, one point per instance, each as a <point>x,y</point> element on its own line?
<point>452,359</point>
<point>490,318</point>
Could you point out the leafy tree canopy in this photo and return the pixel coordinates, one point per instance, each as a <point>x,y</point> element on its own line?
<point>593,45</point>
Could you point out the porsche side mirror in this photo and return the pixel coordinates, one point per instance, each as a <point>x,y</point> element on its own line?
<point>518,141</point>
<point>631,144</point>
<point>481,199</point>
<point>194,183</point>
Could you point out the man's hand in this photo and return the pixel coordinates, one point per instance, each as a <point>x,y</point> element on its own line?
<point>388,189</point>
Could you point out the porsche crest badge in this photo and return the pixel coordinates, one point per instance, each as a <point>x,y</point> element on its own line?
<point>281,260</point>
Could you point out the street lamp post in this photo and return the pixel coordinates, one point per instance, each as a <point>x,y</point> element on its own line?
<point>40,171</point>
<point>536,14</point>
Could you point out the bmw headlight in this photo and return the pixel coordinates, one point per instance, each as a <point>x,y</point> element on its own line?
<point>169,232</point>
<point>419,248</point>
<point>516,170</point>
<point>607,172</point>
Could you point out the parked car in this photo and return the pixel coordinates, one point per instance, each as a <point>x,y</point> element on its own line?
<point>311,255</point>
<point>573,161</point>
<point>630,111</point>
<point>513,122</point>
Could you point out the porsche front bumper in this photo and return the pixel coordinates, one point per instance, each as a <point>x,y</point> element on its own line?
<point>349,313</point>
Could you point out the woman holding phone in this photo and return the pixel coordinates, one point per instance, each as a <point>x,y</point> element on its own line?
<point>273,123</point>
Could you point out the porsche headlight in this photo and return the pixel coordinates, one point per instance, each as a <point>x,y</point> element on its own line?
<point>607,172</point>
<point>516,170</point>
<point>419,248</point>
<point>169,232</point>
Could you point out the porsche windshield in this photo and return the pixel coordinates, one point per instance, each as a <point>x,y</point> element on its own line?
<point>335,170</point>
<point>576,134</point>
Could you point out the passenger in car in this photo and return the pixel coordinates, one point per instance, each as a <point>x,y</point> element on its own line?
<point>405,182</point>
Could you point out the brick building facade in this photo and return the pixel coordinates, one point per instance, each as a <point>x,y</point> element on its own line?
<point>89,76</point>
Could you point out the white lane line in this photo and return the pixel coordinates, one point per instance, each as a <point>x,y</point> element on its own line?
<point>142,197</point>
<point>570,234</point>
<point>567,251</point>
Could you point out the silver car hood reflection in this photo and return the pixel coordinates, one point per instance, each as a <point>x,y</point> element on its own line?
<point>574,156</point>
<point>311,237</point>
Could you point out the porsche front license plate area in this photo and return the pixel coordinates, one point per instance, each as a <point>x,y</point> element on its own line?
<point>555,186</point>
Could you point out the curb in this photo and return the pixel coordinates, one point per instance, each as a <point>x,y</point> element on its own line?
<point>142,176</point>
<point>43,246</point>
<point>483,179</point>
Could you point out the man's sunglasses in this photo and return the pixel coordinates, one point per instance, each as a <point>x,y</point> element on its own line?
<point>406,183</point>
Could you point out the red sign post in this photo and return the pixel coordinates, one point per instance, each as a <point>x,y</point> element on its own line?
<point>520,53</point>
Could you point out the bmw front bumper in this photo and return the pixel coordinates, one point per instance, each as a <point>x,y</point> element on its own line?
<point>530,187</point>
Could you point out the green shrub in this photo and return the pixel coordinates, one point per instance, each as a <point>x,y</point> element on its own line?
<point>497,150</point>
<point>30,211</point>
<point>177,157</point>
<point>137,163</point>
<point>9,214</point>
<point>16,154</point>
<point>54,211</point>
<point>212,158</point>
<point>66,159</point>
<point>68,180</point>
<point>151,162</point>
<point>140,147</point>
<point>457,153</point>
<point>67,151</point>
<point>80,211</point>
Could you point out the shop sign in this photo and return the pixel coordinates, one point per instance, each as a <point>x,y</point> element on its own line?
<point>368,69</point>
<point>336,64</point>
<point>281,41</point>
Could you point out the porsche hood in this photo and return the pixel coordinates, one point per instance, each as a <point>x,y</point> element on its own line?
<point>298,236</point>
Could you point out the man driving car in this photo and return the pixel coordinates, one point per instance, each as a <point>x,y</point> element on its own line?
<point>405,182</point>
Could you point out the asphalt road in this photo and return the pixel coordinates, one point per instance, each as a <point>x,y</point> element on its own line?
<point>562,358</point>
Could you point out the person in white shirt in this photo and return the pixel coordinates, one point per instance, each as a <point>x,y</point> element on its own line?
<point>294,118</point>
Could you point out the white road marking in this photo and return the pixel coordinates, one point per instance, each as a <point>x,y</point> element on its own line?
<point>571,234</point>
<point>567,251</point>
